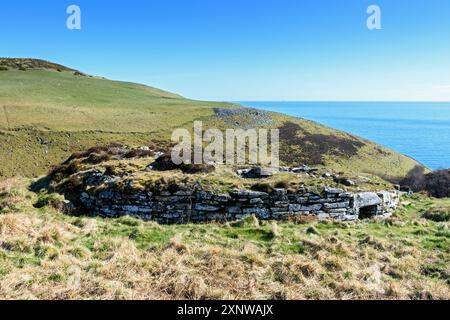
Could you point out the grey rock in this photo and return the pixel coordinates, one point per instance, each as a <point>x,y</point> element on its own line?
<point>350,217</point>
<point>365,199</point>
<point>222,197</point>
<point>256,201</point>
<point>249,194</point>
<point>344,181</point>
<point>336,205</point>
<point>258,173</point>
<point>296,207</point>
<point>234,210</point>
<point>332,191</point>
<point>261,213</point>
<point>205,207</point>
<point>314,207</point>
<point>323,216</point>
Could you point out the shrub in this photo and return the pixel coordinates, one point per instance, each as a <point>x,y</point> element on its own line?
<point>262,187</point>
<point>436,183</point>
<point>66,169</point>
<point>49,199</point>
<point>282,185</point>
<point>96,158</point>
<point>197,168</point>
<point>437,215</point>
<point>139,153</point>
<point>106,153</point>
<point>165,163</point>
<point>71,184</point>
<point>3,68</point>
<point>110,171</point>
<point>415,179</point>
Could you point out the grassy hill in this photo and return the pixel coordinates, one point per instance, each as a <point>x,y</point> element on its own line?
<point>48,111</point>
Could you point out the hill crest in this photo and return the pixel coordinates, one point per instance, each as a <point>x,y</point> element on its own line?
<point>24,64</point>
<point>46,115</point>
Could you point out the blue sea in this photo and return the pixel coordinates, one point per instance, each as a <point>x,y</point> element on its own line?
<point>420,130</point>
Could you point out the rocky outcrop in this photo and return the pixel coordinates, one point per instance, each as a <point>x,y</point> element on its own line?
<point>196,205</point>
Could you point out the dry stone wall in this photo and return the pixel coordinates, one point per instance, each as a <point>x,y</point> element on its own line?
<point>185,206</point>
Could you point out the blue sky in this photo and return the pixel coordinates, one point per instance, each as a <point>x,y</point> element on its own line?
<point>245,49</point>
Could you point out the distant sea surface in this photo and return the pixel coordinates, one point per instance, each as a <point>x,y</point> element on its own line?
<point>420,130</point>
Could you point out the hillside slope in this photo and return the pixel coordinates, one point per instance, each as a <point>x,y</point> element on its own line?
<point>48,111</point>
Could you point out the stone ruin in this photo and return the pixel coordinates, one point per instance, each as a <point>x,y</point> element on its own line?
<point>197,205</point>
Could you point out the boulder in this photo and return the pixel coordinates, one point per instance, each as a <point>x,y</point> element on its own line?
<point>344,181</point>
<point>257,173</point>
<point>366,199</point>
<point>304,169</point>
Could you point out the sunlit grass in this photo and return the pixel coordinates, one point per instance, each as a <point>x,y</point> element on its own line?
<point>406,256</point>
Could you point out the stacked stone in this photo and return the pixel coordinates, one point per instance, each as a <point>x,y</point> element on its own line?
<point>202,206</point>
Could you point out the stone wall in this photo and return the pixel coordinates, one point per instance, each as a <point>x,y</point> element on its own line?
<point>202,206</point>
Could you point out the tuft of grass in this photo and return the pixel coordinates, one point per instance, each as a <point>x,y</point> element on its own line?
<point>44,199</point>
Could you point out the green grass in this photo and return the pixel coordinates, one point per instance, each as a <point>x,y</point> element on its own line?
<point>46,115</point>
<point>64,102</point>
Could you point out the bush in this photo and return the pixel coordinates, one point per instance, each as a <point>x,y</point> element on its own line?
<point>3,68</point>
<point>139,153</point>
<point>282,185</point>
<point>54,200</point>
<point>262,187</point>
<point>436,183</point>
<point>106,153</point>
<point>415,179</point>
<point>165,163</point>
<point>197,168</point>
<point>60,171</point>
<point>437,215</point>
<point>96,158</point>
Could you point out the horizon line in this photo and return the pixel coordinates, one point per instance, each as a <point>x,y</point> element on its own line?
<point>344,101</point>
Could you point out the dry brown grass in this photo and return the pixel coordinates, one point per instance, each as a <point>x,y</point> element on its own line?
<point>46,255</point>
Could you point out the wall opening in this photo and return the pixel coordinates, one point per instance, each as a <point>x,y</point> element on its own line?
<point>367,212</point>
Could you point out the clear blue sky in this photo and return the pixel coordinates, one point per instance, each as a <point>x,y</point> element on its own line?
<point>245,49</point>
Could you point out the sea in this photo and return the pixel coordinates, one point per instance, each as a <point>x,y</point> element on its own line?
<point>420,130</point>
